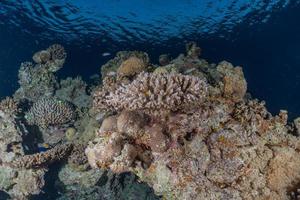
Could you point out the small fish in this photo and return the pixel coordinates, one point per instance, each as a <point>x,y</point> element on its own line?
<point>44,147</point>
<point>105,54</point>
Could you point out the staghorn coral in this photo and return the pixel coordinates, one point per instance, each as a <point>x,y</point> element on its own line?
<point>193,50</point>
<point>154,94</point>
<point>50,111</point>
<point>43,159</point>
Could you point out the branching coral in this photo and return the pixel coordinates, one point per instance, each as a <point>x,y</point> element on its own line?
<point>77,157</point>
<point>18,183</point>
<point>42,159</point>
<point>50,111</point>
<point>155,94</point>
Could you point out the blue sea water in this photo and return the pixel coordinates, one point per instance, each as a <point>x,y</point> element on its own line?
<point>263,36</point>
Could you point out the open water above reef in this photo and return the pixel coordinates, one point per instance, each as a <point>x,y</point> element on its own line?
<point>261,36</point>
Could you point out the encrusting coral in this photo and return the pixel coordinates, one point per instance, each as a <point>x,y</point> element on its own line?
<point>212,143</point>
<point>50,111</point>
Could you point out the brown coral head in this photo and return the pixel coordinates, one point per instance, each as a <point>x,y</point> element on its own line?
<point>133,65</point>
<point>164,59</point>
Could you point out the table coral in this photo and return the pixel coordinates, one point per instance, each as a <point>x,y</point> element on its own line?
<point>155,93</point>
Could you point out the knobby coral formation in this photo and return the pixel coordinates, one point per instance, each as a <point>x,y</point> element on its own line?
<point>50,111</point>
<point>212,143</point>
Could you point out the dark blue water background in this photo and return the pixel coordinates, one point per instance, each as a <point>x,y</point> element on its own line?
<point>263,36</point>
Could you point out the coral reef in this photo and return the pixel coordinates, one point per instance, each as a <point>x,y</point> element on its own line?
<point>187,128</point>
<point>213,143</point>
<point>9,106</point>
<point>50,111</point>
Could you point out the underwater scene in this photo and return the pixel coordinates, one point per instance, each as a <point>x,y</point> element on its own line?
<point>149,100</point>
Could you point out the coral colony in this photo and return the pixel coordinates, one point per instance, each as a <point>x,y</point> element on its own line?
<point>186,128</point>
